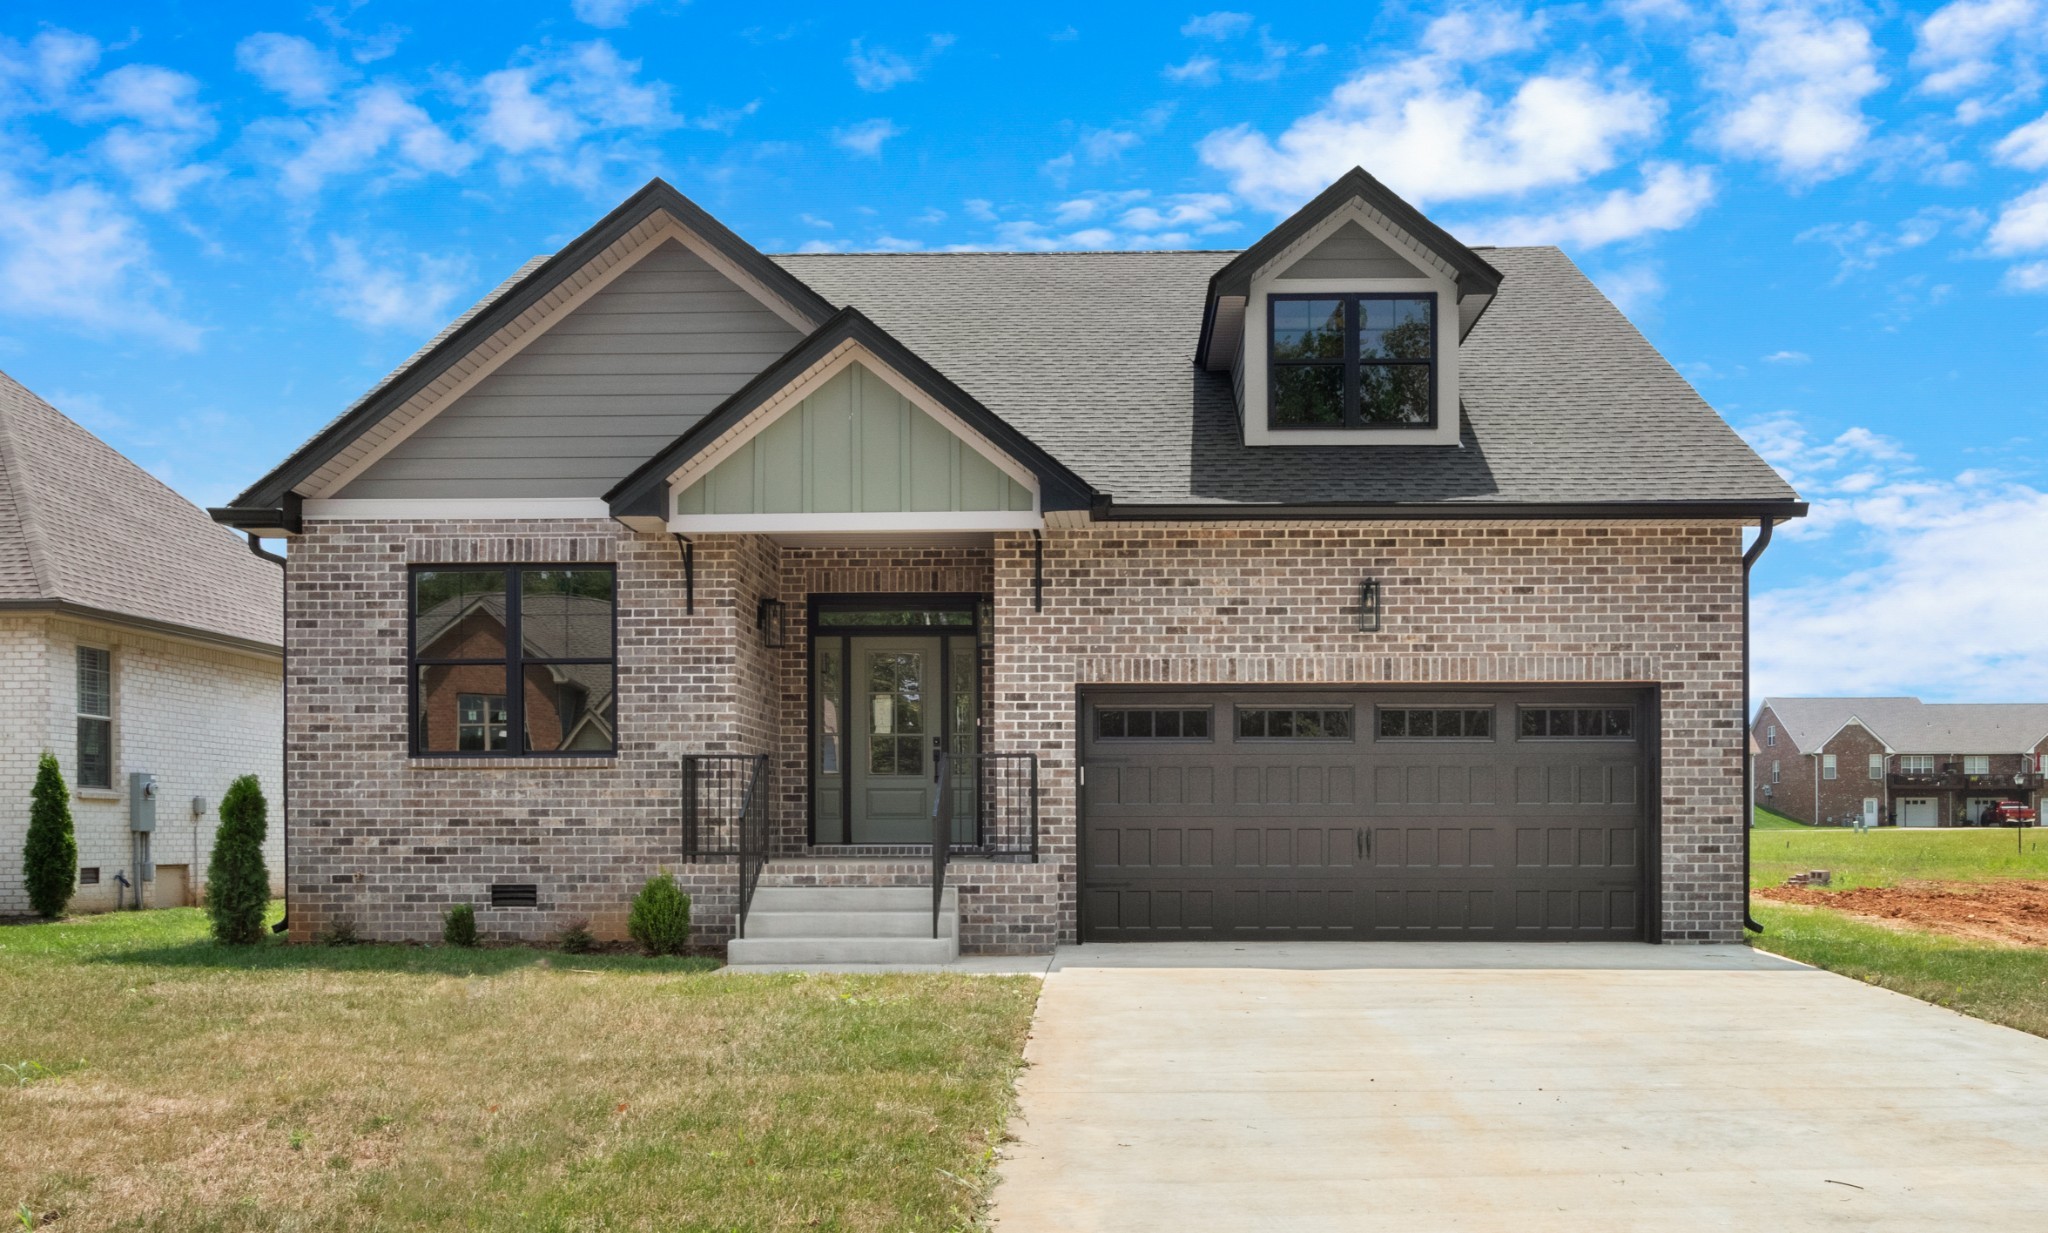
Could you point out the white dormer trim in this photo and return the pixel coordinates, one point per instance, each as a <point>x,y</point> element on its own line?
<point>1253,368</point>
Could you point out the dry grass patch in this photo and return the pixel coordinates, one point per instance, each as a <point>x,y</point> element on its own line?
<point>194,1087</point>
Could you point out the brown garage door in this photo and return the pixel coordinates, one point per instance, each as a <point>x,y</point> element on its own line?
<point>1236,814</point>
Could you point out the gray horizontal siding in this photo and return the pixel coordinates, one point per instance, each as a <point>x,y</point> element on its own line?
<point>596,394</point>
<point>1352,252</point>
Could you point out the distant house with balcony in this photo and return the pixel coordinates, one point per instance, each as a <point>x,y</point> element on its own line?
<point>1896,761</point>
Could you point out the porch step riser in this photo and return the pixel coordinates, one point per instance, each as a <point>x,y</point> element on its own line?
<point>742,952</point>
<point>826,924</point>
<point>852,899</point>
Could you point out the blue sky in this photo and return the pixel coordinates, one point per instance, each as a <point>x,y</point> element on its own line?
<point>219,223</point>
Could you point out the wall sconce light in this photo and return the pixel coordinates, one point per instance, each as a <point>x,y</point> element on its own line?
<point>768,619</point>
<point>1369,606</point>
<point>985,621</point>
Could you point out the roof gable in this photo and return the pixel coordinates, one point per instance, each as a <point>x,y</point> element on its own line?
<point>643,494</point>
<point>655,209</point>
<point>73,514</point>
<point>1351,252</point>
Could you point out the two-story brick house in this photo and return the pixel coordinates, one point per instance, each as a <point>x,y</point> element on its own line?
<point>1896,761</point>
<point>1358,584</point>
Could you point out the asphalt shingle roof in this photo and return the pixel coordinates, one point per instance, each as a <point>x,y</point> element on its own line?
<point>1909,725</point>
<point>81,524</point>
<point>1091,356</point>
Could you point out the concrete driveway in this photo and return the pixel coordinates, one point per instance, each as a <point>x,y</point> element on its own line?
<point>1591,1087</point>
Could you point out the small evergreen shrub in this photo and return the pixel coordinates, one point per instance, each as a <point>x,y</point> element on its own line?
<point>458,927</point>
<point>341,933</point>
<point>237,884</point>
<point>49,857</point>
<point>660,920</point>
<point>576,938</point>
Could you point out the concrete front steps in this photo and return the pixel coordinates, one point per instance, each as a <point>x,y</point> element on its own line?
<point>884,925</point>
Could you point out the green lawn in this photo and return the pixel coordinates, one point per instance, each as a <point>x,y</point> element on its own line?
<point>2004,984</point>
<point>1768,821</point>
<point>176,1085</point>
<point>1888,855</point>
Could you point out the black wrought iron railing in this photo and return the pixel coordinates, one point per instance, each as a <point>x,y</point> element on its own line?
<point>993,804</point>
<point>725,814</point>
<point>942,832</point>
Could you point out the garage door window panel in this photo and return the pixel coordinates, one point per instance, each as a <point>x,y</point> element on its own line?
<point>1294,724</point>
<point>1577,723</point>
<point>1436,723</point>
<point>1153,724</point>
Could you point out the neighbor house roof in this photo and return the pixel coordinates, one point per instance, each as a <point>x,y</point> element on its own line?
<point>85,530</point>
<point>1091,355</point>
<point>1908,725</point>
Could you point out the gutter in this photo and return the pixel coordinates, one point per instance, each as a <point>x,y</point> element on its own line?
<point>1763,541</point>
<point>284,749</point>
<point>1456,511</point>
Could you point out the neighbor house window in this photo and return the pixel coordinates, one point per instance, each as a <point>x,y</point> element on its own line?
<point>1771,735</point>
<point>1877,766</point>
<point>1916,764</point>
<point>1353,361</point>
<point>514,660</point>
<point>95,717</point>
<point>1976,764</point>
<point>1774,771</point>
<point>1827,766</point>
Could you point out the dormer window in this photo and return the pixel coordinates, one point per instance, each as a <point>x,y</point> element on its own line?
<point>1364,360</point>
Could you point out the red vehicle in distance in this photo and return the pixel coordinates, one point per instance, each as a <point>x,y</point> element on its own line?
<point>2010,813</point>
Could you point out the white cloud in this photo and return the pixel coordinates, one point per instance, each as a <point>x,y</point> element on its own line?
<point>1671,197</point>
<point>1788,357</point>
<point>161,127</point>
<point>1196,70</point>
<point>2022,224</point>
<point>554,102</point>
<point>1792,79</point>
<point>290,66</point>
<point>72,254</point>
<point>1102,145</point>
<point>1861,245</point>
<point>390,290</point>
<point>1481,33</point>
<point>882,69</point>
<point>373,123</point>
<point>1434,135</point>
<point>44,71</point>
<point>1218,25</point>
<point>867,137</point>
<point>2031,276</point>
<point>605,14</point>
<point>2025,146</point>
<point>1959,45</point>
<point>1634,289</point>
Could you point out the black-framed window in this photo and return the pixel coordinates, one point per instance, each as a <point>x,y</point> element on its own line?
<point>514,660</point>
<point>95,717</point>
<point>1361,360</point>
<point>1287,723</point>
<point>1581,723</point>
<point>1426,723</point>
<point>1147,723</point>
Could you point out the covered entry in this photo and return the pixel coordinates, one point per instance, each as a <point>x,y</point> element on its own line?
<point>1353,814</point>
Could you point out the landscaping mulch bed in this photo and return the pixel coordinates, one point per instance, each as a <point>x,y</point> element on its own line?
<point>2012,912</point>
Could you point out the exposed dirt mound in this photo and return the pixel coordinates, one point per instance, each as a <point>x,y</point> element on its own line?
<point>2015,912</point>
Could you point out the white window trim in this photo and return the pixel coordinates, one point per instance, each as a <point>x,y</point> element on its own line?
<point>79,712</point>
<point>1877,766</point>
<point>1827,766</point>
<point>1771,735</point>
<point>1973,760</point>
<point>1774,770</point>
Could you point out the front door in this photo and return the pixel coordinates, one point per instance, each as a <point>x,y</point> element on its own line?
<point>892,685</point>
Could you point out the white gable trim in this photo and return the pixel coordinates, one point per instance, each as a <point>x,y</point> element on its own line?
<point>570,294</point>
<point>1375,223</point>
<point>455,508</point>
<point>803,386</point>
<point>1854,722</point>
<point>932,520</point>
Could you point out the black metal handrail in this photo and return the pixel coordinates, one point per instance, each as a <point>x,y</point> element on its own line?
<point>1001,790</point>
<point>942,831</point>
<point>725,814</point>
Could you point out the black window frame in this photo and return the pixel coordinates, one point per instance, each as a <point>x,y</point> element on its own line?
<point>1237,714</point>
<point>1379,724</point>
<point>1208,714</point>
<point>1353,420</point>
<point>515,660</point>
<point>1522,709</point>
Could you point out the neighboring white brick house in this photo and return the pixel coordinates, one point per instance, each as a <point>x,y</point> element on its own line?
<point>181,624</point>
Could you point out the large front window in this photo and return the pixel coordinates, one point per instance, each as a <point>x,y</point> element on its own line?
<point>514,660</point>
<point>1353,361</point>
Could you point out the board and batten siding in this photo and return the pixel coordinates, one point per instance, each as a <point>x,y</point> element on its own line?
<point>597,393</point>
<point>1352,252</point>
<point>854,445</point>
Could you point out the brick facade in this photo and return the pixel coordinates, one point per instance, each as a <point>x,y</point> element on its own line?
<point>387,841</point>
<point>1804,793</point>
<point>195,715</point>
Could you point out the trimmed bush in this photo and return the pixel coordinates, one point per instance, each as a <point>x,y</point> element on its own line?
<point>237,884</point>
<point>458,927</point>
<point>49,858</point>
<point>660,920</point>
<point>575,937</point>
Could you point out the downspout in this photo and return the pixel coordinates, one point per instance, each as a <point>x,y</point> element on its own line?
<point>687,549</point>
<point>1763,541</point>
<point>284,747</point>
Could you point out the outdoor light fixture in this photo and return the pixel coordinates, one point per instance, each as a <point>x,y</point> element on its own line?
<point>768,619</point>
<point>1369,606</point>
<point>985,621</point>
